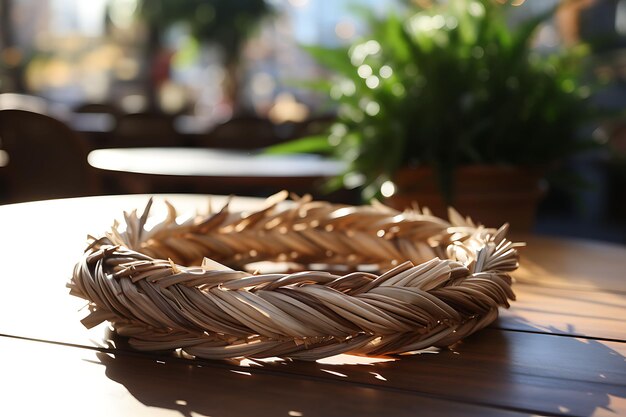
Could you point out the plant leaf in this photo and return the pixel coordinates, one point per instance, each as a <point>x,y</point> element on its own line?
<point>308,144</point>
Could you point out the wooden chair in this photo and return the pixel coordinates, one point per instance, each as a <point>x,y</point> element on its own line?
<point>46,158</point>
<point>317,125</point>
<point>106,108</point>
<point>97,122</point>
<point>241,132</point>
<point>146,129</point>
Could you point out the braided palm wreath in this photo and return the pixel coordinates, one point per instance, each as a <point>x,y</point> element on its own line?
<point>443,280</point>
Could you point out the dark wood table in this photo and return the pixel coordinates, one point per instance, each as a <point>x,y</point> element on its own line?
<point>142,170</point>
<point>559,351</point>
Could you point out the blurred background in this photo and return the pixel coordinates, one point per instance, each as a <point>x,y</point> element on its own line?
<point>235,75</point>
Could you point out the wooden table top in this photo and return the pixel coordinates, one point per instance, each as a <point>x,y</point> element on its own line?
<point>559,351</point>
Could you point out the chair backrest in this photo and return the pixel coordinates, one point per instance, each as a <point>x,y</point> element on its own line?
<point>106,108</point>
<point>242,132</point>
<point>46,158</point>
<point>317,125</point>
<point>146,129</point>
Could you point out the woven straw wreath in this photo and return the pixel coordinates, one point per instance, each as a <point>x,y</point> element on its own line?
<point>444,280</point>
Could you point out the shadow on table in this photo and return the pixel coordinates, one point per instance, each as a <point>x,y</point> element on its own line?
<point>563,374</point>
<point>525,372</point>
<point>195,388</point>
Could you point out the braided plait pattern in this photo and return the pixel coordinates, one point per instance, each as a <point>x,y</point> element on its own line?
<point>444,281</point>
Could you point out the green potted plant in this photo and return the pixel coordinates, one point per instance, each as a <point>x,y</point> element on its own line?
<point>449,105</point>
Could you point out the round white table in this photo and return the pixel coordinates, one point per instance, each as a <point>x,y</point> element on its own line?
<point>212,163</point>
<point>212,170</point>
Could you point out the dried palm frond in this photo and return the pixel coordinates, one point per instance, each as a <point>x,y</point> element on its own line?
<point>169,287</point>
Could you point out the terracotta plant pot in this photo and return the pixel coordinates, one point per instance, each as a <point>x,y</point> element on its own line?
<point>490,195</point>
